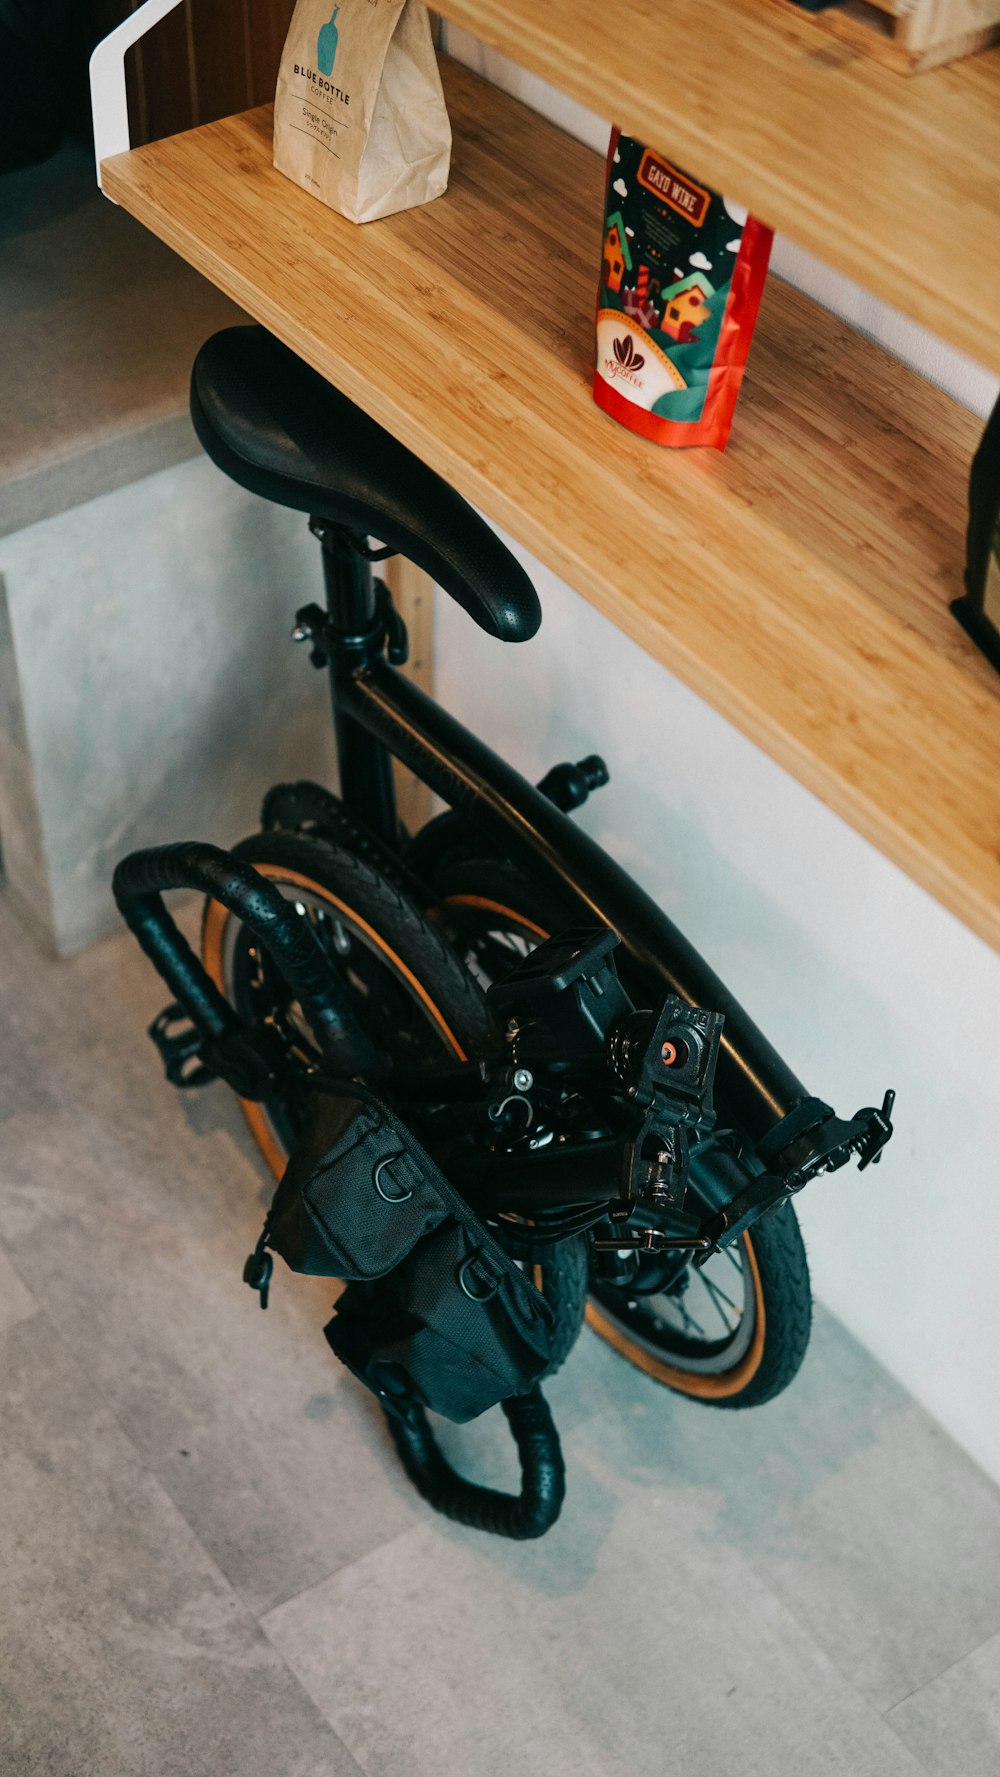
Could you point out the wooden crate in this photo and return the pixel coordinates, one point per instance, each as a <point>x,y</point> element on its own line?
<point>914,35</point>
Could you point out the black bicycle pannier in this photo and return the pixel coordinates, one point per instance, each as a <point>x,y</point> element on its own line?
<point>435,1310</point>
<point>358,1191</point>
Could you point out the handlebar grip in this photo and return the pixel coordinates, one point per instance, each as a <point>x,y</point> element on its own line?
<point>138,884</point>
<point>543,1473</point>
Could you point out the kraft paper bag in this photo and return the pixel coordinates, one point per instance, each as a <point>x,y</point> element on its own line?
<point>359,115</point>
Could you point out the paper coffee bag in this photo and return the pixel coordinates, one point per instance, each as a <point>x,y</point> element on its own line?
<point>359,115</point>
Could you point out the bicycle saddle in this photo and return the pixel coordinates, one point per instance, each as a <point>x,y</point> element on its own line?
<point>280,430</point>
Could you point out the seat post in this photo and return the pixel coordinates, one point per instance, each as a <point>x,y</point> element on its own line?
<point>347,577</point>
<point>367,786</point>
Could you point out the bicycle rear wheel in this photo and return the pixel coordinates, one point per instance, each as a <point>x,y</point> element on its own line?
<point>732,1333</point>
<point>410,993</point>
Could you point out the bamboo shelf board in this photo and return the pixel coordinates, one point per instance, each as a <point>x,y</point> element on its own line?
<point>799,582</point>
<point>891,179</point>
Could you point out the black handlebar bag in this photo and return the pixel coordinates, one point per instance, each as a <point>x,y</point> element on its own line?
<point>435,1312</point>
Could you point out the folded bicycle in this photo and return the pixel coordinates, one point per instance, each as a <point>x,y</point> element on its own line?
<point>498,1088</point>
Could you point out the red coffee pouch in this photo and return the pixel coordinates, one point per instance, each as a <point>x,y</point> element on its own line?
<point>681,282</point>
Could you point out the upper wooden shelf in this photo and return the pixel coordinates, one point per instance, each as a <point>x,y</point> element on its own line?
<point>893,180</point>
<point>799,582</point>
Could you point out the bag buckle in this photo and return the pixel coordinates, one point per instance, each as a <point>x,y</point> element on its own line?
<point>487,1285</point>
<point>390,1196</point>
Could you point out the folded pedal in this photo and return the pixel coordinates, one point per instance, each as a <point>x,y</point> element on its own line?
<point>810,1141</point>
<point>181,1048</point>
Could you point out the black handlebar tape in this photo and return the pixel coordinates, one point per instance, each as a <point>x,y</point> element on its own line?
<point>543,1474</point>
<point>138,884</point>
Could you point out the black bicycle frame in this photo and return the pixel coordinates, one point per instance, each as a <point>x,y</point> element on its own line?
<point>378,712</point>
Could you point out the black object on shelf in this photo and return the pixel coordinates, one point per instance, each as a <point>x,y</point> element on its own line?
<point>44,49</point>
<point>979,610</point>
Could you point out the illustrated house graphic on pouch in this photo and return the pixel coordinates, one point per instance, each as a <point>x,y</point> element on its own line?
<point>684,306</point>
<point>617,254</point>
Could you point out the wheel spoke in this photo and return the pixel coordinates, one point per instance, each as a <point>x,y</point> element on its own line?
<point>717,1290</point>
<point>715,1294</point>
<point>688,1320</point>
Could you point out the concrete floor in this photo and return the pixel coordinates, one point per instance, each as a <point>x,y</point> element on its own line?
<point>211,1566</point>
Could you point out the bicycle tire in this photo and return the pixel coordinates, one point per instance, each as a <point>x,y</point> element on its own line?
<point>473,888</point>
<point>384,920</point>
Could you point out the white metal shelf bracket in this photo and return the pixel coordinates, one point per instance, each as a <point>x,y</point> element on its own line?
<point>108,96</point>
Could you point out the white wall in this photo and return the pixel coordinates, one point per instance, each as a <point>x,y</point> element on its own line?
<point>141,659</point>
<point>859,978</point>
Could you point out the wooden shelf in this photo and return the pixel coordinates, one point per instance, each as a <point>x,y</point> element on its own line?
<point>799,583</point>
<point>893,180</point>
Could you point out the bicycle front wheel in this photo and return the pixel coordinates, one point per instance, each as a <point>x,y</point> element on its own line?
<point>732,1333</point>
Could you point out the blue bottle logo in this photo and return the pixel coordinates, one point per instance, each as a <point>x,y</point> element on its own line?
<point>326,44</point>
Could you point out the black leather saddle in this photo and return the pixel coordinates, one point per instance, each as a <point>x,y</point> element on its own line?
<point>280,430</point>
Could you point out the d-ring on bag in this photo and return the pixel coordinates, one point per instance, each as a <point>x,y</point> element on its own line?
<point>359,114</point>
<point>435,1311</point>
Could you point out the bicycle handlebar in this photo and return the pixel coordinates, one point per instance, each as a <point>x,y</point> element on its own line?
<point>543,1473</point>
<point>138,885</point>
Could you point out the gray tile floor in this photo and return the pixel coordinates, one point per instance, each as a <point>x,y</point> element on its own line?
<point>210,1565</point>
